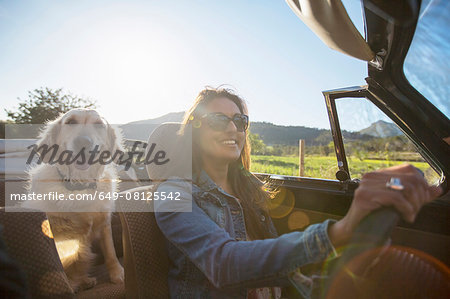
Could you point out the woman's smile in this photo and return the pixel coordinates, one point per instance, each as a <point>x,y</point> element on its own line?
<point>229,142</point>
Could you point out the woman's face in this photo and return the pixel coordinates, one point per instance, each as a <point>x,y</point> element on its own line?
<point>221,146</point>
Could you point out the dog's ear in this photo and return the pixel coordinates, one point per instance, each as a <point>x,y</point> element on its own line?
<point>48,136</point>
<point>115,140</point>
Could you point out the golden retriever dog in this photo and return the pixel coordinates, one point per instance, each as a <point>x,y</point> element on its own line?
<point>75,224</point>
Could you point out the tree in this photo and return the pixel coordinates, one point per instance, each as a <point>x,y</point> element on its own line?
<point>45,104</point>
<point>257,145</point>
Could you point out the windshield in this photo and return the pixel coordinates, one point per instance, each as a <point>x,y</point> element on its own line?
<point>427,66</point>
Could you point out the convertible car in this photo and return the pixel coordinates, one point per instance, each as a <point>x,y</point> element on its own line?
<point>406,48</point>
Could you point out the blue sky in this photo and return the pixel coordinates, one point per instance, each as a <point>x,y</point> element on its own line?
<point>142,59</point>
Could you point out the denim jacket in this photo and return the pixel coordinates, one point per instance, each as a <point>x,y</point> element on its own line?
<point>210,257</point>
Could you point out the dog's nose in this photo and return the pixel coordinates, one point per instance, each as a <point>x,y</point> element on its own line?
<point>83,142</point>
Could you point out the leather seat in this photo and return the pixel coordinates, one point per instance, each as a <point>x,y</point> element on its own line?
<point>145,257</point>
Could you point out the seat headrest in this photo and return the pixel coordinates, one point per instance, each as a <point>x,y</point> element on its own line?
<point>177,149</point>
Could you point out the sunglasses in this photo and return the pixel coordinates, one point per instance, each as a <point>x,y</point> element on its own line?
<point>219,121</point>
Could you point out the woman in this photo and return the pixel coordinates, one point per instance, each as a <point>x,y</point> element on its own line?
<point>227,246</point>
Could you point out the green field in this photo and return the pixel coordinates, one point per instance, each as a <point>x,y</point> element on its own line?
<point>326,167</point>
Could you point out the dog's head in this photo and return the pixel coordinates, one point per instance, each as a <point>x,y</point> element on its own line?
<point>81,137</point>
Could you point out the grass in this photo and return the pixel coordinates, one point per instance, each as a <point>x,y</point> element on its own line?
<point>325,167</point>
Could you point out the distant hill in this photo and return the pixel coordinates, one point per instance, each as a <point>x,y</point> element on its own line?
<point>270,133</point>
<point>169,117</point>
<point>382,129</point>
<point>288,135</point>
<point>141,129</point>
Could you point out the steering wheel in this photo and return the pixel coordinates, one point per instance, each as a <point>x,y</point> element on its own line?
<point>372,232</point>
<point>368,268</point>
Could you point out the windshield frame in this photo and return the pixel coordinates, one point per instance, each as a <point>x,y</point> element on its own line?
<point>390,35</point>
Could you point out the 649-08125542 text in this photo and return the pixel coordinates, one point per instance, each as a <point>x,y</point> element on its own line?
<point>57,196</point>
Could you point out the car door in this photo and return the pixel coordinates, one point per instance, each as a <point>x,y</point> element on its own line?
<point>422,130</point>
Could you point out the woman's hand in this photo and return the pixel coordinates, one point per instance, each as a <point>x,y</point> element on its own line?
<point>373,193</point>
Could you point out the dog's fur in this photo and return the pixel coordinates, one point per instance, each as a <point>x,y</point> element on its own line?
<point>77,230</point>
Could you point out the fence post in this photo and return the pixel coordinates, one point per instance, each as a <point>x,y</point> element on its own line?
<point>301,157</point>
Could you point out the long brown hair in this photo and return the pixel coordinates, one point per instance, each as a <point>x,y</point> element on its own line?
<point>248,188</point>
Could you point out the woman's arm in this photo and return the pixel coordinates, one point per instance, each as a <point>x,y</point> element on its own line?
<point>231,264</point>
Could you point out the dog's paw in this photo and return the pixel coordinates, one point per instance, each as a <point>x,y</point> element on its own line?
<point>89,282</point>
<point>116,274</point>
<point>83,283</point>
